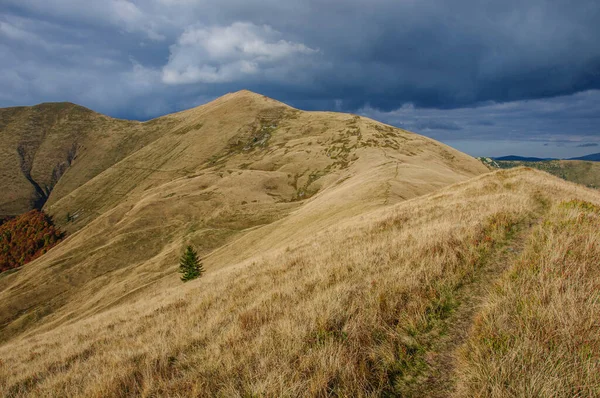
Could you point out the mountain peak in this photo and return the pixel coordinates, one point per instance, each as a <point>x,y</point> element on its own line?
<point>60,105</point>
<point>235,100</point>
<point>252,96</point>
<point>246,92</point>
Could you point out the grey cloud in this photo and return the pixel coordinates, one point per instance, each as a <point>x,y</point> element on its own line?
<point>467,68</point>
<point>384,53</point>
<point>437,125</point>
<point>126,15</point>
<point>560,119</point>
<point>483,123</point>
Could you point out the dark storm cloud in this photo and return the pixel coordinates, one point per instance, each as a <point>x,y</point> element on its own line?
<point>483,123</point>
<point>570,119</point>
<point>148,57</point>
<point>437,125</point>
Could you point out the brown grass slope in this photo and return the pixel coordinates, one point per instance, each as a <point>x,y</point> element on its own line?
<point>235,177</point>
<point>49,150</point>
<point>580,171</point>
<point>542,319</point>
<point>355,308</point>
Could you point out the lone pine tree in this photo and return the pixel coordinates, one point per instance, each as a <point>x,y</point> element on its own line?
<point>190,266</point>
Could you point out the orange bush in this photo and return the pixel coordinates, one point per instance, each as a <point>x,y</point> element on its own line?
<point>26,237</point>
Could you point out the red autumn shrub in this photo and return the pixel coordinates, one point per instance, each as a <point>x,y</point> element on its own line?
<point>25,238</point>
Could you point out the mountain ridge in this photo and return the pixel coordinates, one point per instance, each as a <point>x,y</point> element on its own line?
<point>594,157</point>
<point>64,135</point>
<point>240,167</point>
<point>42,142</point>
<point>521,158</point>
<point>342,256</point>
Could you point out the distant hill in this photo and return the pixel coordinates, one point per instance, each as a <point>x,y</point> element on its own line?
<point>50,150</point>
<point>594,157</point>
<point>514,158</point>
<point>580,171</point>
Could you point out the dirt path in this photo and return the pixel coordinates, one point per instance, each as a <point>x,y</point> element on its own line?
<point>442,358</point>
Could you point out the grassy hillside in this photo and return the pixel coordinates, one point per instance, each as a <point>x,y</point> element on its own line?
<point>541,318</point>
<point>238,176</point>
<point>582,172</point>
<point>426,297</point>
<point>343,257</point>
<point>49,150</point>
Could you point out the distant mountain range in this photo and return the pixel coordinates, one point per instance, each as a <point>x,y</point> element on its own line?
<point>594,157</point>
<point>513,158</point>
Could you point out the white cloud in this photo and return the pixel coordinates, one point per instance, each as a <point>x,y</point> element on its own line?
<point>224,54</point>
<point>141,76</point>
<point>125,13</point>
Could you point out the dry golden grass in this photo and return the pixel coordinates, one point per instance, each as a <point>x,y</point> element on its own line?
<point>235,178</point>
<point>538,334</point>
<point>338,264</point>
<point>580,171</point>
<point>59,147</point>
<point>351,310</point>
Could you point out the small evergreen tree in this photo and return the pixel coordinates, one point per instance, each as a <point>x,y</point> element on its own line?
<point>190,266</point>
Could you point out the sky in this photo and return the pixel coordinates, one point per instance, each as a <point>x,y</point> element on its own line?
<point>490,78</point>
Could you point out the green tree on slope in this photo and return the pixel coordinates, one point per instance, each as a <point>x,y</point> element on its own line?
<point>190,266</point>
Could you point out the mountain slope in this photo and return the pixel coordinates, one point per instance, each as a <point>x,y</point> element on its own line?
<point>595,157</point>
<point>579,171</point>
<point>49,150</point>
<point>343,257</point>
<point>360,307</point>
<point>514,158</point>
<point>235,177</point>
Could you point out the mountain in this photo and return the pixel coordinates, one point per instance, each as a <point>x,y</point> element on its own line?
<point>205,177</point>
<point>50,150</point>
<point>595,157</point>
<point>343,257</point>
<point>579,171</point>
<point>514,158</point>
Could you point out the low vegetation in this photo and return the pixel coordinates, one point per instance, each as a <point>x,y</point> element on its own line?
<point>538,334</point>
<point>358,310</point>
<point>344,258</point>
<point>582,172</point>
<point>24,238</point>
